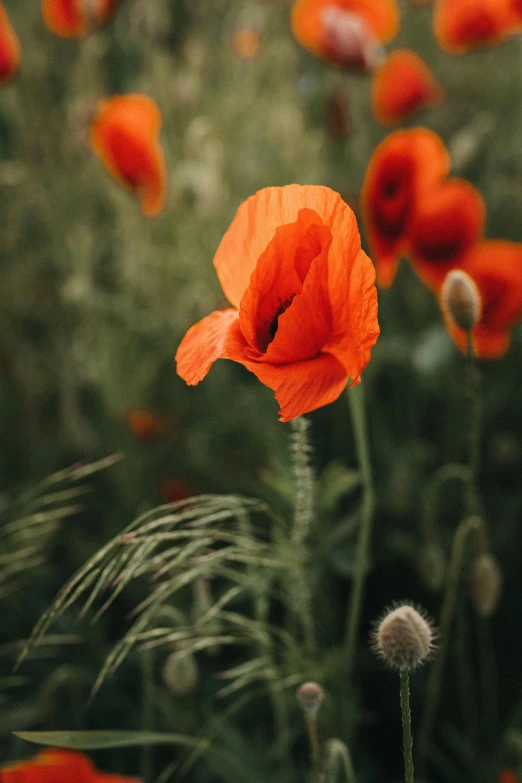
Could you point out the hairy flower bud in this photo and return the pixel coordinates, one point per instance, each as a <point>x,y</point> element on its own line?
<point>310,695</point>
<point>485,582</point>
<point>180,674</point>
<point>460,299</point>
<point>404,637</point>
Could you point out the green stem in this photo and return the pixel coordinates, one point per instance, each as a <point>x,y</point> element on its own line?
<point>474,433</point>
<point>357,411</point>
<point>466,527</point>
<point>313,740</point>
<point>336,751</point>
<point>407,742</point>
<point>147,714</point>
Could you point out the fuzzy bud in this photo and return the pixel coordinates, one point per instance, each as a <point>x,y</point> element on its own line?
<point>485,582</point>
<point>404,637</point>
<point>309,696</point>
<point>348,40</point>
<point>460,299</point>
<point>180,674</point>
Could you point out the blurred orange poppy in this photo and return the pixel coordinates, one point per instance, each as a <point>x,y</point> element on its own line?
<point>348,33</point>
<point>144,425</point>
<point>405,163</point>
<point>449,219</point>
<point>9,48</point>
<point>173,490</point>
<point>304,304</point>
<point>124,135</point>
<point>461,25</point>
<point>507,776</point>
<point>59,766</point>
<point>76,18</point>
<point>246,43</point>
<point>403,85</point>
<point>495,266</point>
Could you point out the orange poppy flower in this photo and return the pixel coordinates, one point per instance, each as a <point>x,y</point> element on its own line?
<point>59,766</point>
<point>124,135</point>
<point>449,220</point>
<point>76,18</point>
<point>461,25</point>
<point>144,425</point>
<point>404,164</point>
<point>9,48</point>
<point>348,33</point>
<point>507,776</point>
<point>173,489</point>
<point>304,304</point>
<point>495,266</point>
<point>246,43</point>
<point>402,86</point>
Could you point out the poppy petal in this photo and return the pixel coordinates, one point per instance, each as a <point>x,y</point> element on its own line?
<point>124,136</point>
<point>215,337</point>
<point>448,221</point>
<point>404,163</point>
<point>257,220</point>
<point>9,48</point>
<point>76,18</point>
<point>277,282</point>
<point>302,387</point>
<point>402,86</point>
<point>461,25</point>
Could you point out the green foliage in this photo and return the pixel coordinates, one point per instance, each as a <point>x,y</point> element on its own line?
<point>252,575</point>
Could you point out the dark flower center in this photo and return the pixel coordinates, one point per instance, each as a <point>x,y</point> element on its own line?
<point>273,324</point>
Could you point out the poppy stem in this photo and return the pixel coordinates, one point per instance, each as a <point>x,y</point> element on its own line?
<point>468,526</point>
<point>313,741</point>
<point>407,742</point>
<point>358,415</point>
<point>474,433</point>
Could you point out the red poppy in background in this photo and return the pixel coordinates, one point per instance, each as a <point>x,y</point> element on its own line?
<point>495,266</point>
<point>145,425</point>
<point>124,135</point>
<point>403,85</point>
<point>405,164</point>
<point>461,25</point>
<point>304,315</point>
<point>59,766</point>
<point>507,776</point>
<point>449,219</point>
<point>348,33</point>
<point>76,18</point>
<point>9,48</point>
<point>173,489</point>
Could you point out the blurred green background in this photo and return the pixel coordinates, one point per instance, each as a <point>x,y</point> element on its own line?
<point>95,300</point>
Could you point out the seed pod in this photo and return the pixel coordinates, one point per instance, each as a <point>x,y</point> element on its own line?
<point>404,637</point>
<point>460,299</point>
<point>485,583</point>
<point>432,566</point>
<point>309,696</point>
<point>180,674</point>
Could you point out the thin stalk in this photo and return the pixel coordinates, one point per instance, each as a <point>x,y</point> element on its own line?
<point>313,741</point>
<point>407,742</point>
<point>353,620</point>
<point>466,527</point>
<point>147,712</point>
<point>336,751</point>
<point>475,426</point>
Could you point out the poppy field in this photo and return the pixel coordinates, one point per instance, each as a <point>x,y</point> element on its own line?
<point>260,391</point>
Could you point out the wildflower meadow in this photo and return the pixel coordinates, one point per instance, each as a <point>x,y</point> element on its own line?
<point>260,391</point>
